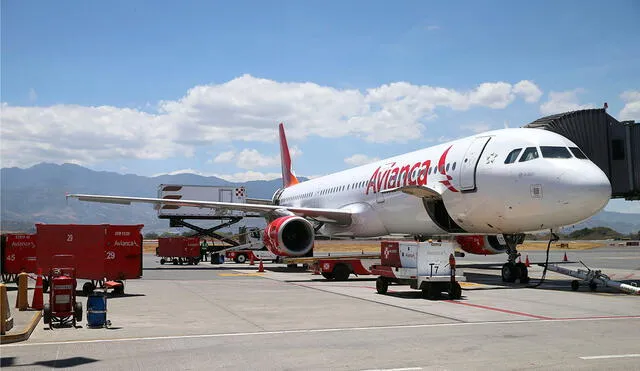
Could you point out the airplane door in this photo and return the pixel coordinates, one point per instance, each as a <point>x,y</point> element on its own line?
<point>470,163</point>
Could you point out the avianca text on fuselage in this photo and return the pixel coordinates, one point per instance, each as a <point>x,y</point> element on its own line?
<point>391,176</point>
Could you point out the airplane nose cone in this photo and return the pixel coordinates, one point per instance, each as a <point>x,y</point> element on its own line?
<point>587,190</point>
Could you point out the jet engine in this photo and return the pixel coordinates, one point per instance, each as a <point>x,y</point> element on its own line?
<point>289,236</point>
<point>481,245</point>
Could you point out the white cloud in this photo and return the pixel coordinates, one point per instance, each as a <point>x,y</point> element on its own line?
<point>528,90</point>
<point>564,101</point>
<point>479,127</point>
<point>360,159</point>
<point>432,27</point>
<point>33,96</point>
<point>631,109</point>
<point>246,108</point>
<point>182,171</point>
<point>248,176</point>
<point>223,157</point>
<point>251,159</point>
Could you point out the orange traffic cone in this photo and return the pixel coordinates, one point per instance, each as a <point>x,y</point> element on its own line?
<point>519,259</point>
<point>526,262</point>
<point>38,303</point>
<point>251,260</point>
<point>261,267</point>
<point>565,257</point>
<point>316,268</point>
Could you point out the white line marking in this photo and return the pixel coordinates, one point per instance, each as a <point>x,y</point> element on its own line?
<point>395,369</point>
<point>612,356</point>
<point>313,331</point>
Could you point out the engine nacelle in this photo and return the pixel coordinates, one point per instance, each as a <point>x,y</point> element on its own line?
<point>481,245</point>
<point>289,236</point>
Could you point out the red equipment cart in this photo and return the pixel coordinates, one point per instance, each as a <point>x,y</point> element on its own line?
<point>179,250</point>
<point>62,306</point>
<point>18,255</point>
<point>103,252</point>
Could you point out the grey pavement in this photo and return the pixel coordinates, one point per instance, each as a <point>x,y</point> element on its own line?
<point>231,317</point>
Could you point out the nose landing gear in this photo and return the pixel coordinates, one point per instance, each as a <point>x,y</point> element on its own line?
<point>512,271</point>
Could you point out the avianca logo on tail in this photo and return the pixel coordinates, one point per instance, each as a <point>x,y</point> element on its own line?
<point>391,176</point>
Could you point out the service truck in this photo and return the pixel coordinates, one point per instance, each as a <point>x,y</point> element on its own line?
<point>201,193</point>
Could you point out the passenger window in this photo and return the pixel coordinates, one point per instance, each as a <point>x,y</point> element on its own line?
<point>453,167</point>
<point>529,154</point>
<point>447,167</point>
<point>512,156</point>
<point>555,152</point>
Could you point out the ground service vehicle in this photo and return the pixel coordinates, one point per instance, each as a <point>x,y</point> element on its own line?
<point>426,266</point>
<point>179,250</point>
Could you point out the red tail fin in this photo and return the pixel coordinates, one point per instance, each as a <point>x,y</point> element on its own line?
<point>288,179</point>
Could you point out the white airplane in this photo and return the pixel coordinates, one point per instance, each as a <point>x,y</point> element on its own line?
<point>486,191</point>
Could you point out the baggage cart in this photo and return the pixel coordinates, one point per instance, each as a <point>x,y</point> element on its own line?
<point>179,250</point>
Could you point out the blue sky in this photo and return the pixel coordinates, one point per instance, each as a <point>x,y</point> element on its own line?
<point>152,87</point>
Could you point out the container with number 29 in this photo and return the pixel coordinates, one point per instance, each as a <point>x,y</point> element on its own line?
<point>104,253</point>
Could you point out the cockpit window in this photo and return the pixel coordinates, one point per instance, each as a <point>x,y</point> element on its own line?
<point>555,152</point>
<point>530,153</point>
<point>578,153</point>
<point>513,155</point>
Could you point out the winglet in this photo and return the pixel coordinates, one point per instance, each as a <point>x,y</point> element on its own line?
<point>288,179</point>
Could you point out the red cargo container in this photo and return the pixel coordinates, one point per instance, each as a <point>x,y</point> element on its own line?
<point>111,252</point>
<point>18,255</point>
<point>179,250</point>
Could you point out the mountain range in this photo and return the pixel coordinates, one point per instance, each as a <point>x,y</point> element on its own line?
<point>37,195</point>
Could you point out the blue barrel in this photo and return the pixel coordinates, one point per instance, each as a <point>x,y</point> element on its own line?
<point>96,310</point>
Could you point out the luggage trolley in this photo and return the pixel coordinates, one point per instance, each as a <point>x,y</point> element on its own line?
<point>62,306</point>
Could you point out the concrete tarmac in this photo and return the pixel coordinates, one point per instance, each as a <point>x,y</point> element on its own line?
<point>231,317</point>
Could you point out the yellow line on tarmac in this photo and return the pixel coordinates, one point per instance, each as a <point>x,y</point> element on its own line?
<point>470,284</point>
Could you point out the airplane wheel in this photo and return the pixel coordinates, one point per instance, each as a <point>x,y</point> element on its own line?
<point>593,286</point>
<point>575,285</point>
<point>382,285</point>
<point>523,272</point>
<point>241,258</point>
<point>162,261</point>
<point>509,272</point>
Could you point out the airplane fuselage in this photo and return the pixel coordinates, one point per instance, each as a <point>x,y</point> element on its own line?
<point>547,184</point>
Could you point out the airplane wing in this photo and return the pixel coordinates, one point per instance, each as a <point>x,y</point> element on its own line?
<point>416,190</point>
<point>337,216</point>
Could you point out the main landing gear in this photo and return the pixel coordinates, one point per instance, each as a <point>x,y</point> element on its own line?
<point>512,271</point>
